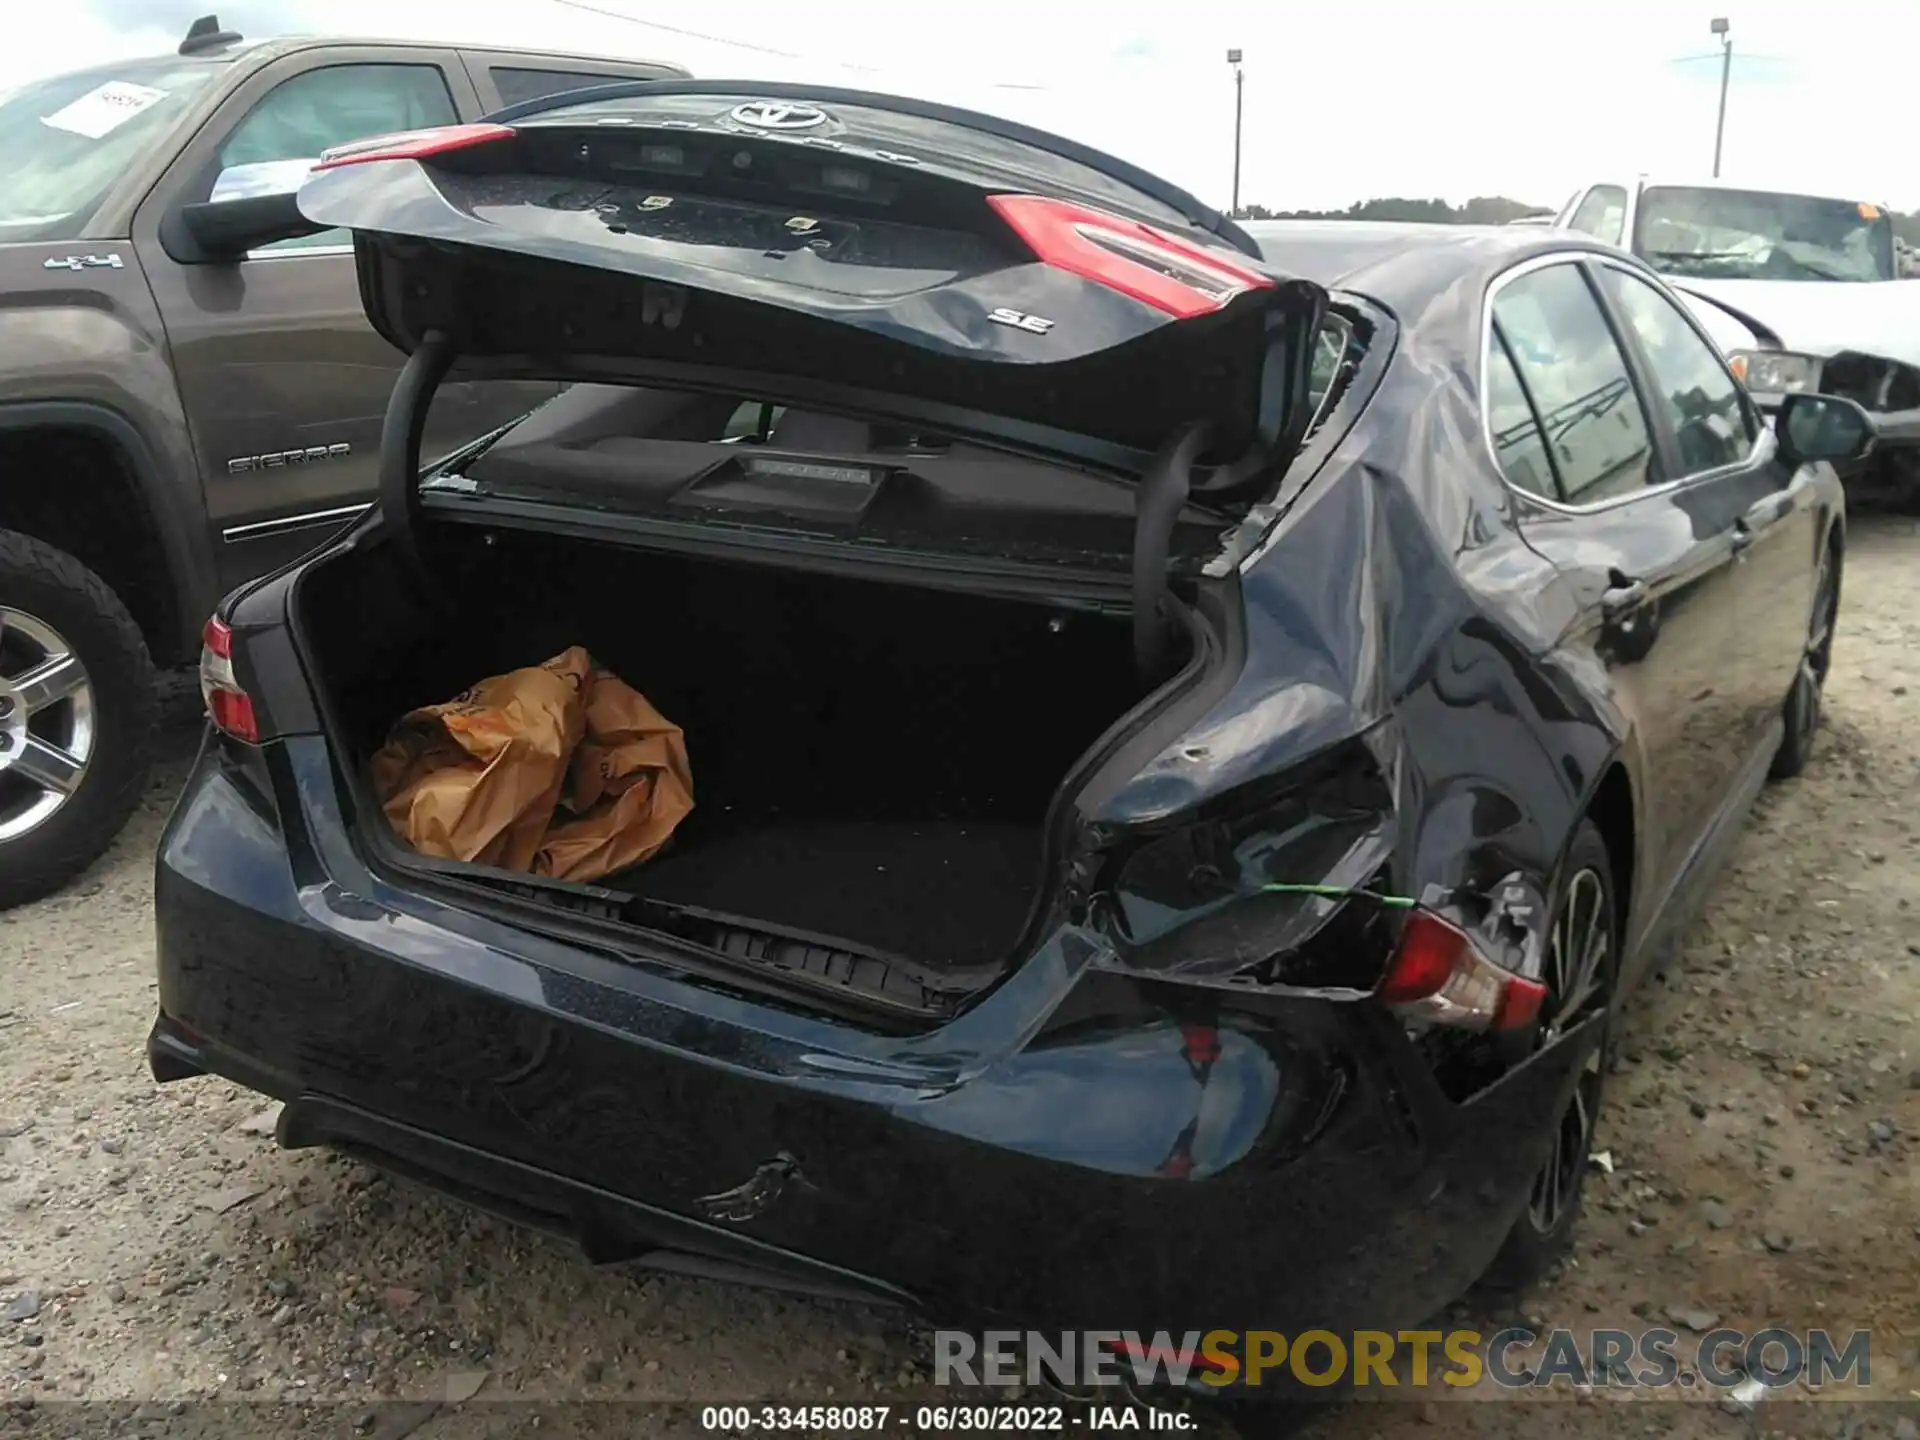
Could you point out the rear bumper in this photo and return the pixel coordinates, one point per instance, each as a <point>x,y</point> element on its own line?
<point>1092,1177</point>
<point>609,1228</point>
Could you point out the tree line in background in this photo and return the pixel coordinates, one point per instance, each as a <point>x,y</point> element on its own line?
<point>1481,210</point>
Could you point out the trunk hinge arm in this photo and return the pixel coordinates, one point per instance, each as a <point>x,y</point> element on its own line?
<point>400,437</point>
<point>1162,495</point>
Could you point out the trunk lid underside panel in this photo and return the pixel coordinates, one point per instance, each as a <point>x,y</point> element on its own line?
<point>664,239</point>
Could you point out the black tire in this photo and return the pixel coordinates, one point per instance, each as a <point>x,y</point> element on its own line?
<point>54,589</point>
<point>1802,710</point>
<point>1538,1240</point>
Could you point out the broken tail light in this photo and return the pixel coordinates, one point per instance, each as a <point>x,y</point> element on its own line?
<point>413,144</point>
<point>228,704</point>
<point>1440,976</point>
<point>1172,275</point>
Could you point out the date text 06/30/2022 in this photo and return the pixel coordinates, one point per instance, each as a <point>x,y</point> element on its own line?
<point>940,1419</point>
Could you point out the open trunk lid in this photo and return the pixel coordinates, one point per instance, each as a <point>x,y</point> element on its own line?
<point>833,247</point>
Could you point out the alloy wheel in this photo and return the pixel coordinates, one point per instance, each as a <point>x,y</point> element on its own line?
<point>47,722</point>
<point>1818,657</point>
<point>1579,952</point>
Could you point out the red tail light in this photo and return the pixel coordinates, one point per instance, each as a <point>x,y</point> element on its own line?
<point>413,144</point>
<point>1438,974</point>
<point>1155,268</point>
<point>228,706</point>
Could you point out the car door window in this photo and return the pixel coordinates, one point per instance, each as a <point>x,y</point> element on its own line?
<point>1578,379</point>
<point>517,85</point>
<point>1517,442</point>
<point>1710,419</point>
<point>312,112</point>
<point>1602,214</point>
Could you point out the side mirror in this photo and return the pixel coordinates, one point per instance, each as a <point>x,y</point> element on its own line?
<point>251,205</point>
<point>1823,427</point>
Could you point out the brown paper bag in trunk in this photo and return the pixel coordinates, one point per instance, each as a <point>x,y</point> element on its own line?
<point>481,777</point>
<point>629,785</point>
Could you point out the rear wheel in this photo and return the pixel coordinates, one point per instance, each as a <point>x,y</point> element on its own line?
<point>76,717</point>
<point>1581,964</point>
<point>1802,711</point>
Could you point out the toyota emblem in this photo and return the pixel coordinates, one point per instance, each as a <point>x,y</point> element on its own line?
<point>779,115</point>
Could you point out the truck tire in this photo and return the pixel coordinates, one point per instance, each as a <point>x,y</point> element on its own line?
<point>77,713</point>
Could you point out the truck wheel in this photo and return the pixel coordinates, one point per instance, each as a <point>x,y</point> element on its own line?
<point>77,713</point>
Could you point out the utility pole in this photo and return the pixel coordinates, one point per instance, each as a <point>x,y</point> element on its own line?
<point>1239,91</point>
<point>1721,28</point>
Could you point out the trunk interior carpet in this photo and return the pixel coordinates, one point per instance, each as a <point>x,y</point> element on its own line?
<point>939,893</point>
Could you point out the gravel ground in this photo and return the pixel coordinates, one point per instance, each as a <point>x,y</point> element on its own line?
<point>155,1248</point>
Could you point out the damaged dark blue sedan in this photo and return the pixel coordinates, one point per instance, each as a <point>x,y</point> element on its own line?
<point>1193,731</point>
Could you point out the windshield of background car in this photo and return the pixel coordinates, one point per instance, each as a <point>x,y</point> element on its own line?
<point>69,138</point>
<point>1713,234</point>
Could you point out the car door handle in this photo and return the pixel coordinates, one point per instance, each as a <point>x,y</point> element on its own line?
<point>1621,597</point>
<point>1742,536</point>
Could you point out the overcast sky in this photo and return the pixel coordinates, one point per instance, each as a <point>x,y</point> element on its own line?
<point>1343,101</point>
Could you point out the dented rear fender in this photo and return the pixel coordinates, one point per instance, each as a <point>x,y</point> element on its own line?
<point>1388,733</point>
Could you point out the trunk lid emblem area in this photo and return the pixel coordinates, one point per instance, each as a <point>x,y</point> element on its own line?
<point>755,1196</point>
<point>778,115</point>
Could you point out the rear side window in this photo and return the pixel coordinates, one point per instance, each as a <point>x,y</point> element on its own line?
<point>1578,380</point>
<point>1703,404</point>
<point>1517,442</point>
<point>1603,214</point>
<point>518,85</point>
<point>1329,352</point>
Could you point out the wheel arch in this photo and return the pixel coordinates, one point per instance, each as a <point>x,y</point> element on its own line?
<point>129,499</point>
<point>1612,807</point>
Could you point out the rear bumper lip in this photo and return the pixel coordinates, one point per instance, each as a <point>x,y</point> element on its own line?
<point>608,1228</point>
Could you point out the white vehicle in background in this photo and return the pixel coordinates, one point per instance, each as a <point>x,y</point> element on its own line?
<point>1802,291</point>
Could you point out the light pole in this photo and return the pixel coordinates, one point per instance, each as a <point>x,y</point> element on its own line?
<point>1721,28</point>
<point>1239,89</point>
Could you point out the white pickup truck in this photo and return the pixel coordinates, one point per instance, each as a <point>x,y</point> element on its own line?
<point>1803,292</point>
